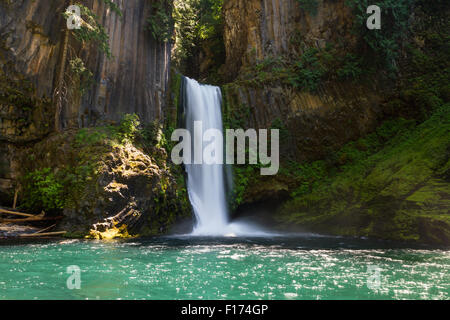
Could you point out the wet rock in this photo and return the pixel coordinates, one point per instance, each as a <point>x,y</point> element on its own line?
<point>9,230</point>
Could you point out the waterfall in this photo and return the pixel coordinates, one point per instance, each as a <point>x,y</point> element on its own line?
<point>205,183</point>
<point>208,184</point>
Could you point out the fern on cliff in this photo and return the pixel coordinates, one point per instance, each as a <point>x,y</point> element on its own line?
<point>309,5</point>
<point>395,27</point>
<point>91,31</point>
<point>160,22</point>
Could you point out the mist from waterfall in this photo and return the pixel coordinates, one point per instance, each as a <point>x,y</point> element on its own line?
<point>207,184</point>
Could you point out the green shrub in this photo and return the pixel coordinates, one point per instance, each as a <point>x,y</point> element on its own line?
<point>242,175</point>
<point>309,5</point>
<point>95,32</point>
<point>128,127</point>
<point>160,22</point>
<point>351,68</point>
<point>126,131</point>
<point>281,126</point>
<point>43,191</point>
<point>308,71</point>
<point>87,137</point>
<point>199,30</point>
<point>82,73</point>
<point>114,7</point>
<point>384,43</point>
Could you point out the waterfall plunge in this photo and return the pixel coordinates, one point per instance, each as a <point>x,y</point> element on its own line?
<point>207,183</point>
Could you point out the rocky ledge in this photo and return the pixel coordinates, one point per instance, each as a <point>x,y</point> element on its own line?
<point>105,187</point>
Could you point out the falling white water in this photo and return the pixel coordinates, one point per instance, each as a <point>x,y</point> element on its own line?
<point>206,183</point>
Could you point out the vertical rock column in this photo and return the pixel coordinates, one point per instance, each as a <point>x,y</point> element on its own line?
<point>135,79</point>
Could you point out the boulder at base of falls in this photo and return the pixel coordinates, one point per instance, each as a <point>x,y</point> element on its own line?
<point>106,187</point>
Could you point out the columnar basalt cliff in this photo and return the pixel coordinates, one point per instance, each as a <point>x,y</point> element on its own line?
<point>265,43</point>
<point>133,80</point>
<point>259,32</point>
<point>258,29</point>
<point>309,69</point>
<point>363,115</point>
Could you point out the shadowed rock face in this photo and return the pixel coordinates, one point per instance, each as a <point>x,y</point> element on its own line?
<point>31,41</point>
<point>256,29</point>
<point>125,190</point>
<point>317,121</point>
<point>133,81</point>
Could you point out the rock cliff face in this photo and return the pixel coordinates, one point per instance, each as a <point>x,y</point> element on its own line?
<point>256,29</point>
<point>134,80</point>
<point>334,177</point>
<point>316,122</point>
<point>319,121</point>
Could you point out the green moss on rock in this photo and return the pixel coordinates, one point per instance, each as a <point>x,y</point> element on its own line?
<point>111,185</point>
<point>399,193</point>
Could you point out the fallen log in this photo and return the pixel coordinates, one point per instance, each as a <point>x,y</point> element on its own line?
<point>34,219</point>
<point>14,213</point>
<point>48,234</point>
<point>46,229</point>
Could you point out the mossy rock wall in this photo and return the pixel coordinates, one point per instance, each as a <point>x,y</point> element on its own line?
<point>331,98</point>
<point>108,189</point>
<point>400,193</point>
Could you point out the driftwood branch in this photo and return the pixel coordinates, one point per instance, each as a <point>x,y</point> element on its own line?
<point>14,213</point>
<point>46,229</point>
<point>48,234</point>
<point>34,219</point>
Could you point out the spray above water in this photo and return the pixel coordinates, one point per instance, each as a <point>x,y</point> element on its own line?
<point>206,183</point>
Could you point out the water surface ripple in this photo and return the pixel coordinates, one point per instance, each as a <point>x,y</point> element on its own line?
<point>218,268</point>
